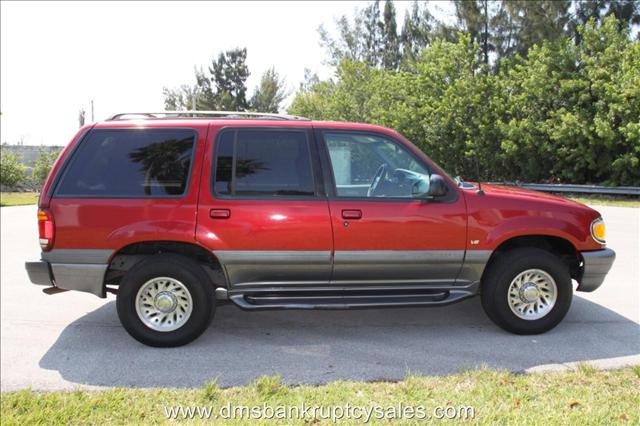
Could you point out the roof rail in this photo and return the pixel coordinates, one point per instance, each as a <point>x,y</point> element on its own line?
<point>202,114</point>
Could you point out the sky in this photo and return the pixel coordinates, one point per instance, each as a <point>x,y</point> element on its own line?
<point>55,57</point>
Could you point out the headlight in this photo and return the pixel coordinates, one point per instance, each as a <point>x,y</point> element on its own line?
<point>598,231</point>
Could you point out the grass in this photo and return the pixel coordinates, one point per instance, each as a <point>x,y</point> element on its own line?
<point>596,200</point>
<point>584,396</point>
<point>18,198</point>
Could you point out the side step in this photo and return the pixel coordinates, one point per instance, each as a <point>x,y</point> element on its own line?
<point>264,300</point>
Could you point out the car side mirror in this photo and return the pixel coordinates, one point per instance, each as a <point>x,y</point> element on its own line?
<point>437,186</point>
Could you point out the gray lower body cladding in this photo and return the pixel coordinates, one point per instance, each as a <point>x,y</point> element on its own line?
<point>341,279</point>
<point>260,280</point>
<point>244,269</point>
<point>596,266</point>
<point>80,270</point>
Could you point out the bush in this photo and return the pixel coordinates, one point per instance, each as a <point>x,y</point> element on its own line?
<point>11,171</point>
<point>43,165</point>
<point>566,112</point>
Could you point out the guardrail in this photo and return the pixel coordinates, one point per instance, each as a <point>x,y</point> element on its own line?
<point>630,191</point>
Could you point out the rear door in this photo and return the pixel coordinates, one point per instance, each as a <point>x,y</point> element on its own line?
<point>386,231</point>
<point>261,208</point>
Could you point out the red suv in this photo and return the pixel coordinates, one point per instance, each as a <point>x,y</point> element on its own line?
<point>177,212</point>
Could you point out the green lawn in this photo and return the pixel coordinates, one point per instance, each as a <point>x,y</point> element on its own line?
<point>585,396</point>
<point>18,198</point>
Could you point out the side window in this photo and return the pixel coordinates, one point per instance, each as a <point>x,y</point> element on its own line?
<point>263,163</point>
<point>130,163</point>
<point>373,166</point>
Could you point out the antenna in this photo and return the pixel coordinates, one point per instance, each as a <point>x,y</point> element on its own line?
<point>480,191</point>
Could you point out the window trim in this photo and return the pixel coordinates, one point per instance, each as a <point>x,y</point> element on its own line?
<point>73,156</point>
<point>316,175</point>
<point>330,182</point>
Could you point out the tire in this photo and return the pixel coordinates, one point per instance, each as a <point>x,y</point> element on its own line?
<point>533,266</point>
<point>177,303</point>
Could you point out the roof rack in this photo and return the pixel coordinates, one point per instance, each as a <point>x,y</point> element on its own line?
<point>202,114</point>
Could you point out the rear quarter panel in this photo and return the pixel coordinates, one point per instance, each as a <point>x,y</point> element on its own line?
<point>113,223</point>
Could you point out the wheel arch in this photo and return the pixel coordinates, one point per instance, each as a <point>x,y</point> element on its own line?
<point>564,249</point>
<point>128,256</point>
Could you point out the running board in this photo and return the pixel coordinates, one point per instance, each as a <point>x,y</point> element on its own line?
<point>346,300</point>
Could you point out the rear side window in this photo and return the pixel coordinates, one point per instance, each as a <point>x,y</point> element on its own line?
<point>263,163</point>
<point>130,163</point>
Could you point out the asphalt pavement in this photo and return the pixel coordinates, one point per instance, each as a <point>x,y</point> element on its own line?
<point>74,340</point>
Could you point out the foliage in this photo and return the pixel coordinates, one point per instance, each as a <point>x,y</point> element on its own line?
<point>501,28</point>
<point>229,74</point>
<point>372,37</point>
<point>268,96</point>
<point>417,31</point>
<point>627,12</point>
<point>223,87</point>
<point>11,170</point>
<point>43,164</point>
<point>564,112</point>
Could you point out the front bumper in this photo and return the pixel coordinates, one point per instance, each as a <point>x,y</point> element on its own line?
<point>88,278</point>
<point>596,266</point>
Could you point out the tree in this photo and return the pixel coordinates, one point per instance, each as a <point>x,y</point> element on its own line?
<point>223,88</point>
<point>417,31</point>
<point>180,98</point>
<point>536,21</point>
<point>508,27</point>
<point>372,34</point>
<point>563,112</point>
<point>473,18</point>
<point>627,13</point>
<point>310,79</point>
<point>390,41</point>
<point>371,38</point>
<point>43,164</point>
<point>268,96</point>
<point>572,111</point>
<point>229,74</point>
<point>11,171</point>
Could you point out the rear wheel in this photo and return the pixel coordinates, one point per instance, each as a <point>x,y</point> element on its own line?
<point>527,291</point>
<point>166,300</point>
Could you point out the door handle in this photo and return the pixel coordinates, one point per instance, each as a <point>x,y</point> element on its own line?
<point>352,214</point>
<point>220,213</point>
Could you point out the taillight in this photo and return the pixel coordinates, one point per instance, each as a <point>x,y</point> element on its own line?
<point>46,229</point>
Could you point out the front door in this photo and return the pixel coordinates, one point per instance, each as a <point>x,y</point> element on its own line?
<point>261,211</point>
<point>386,230</point>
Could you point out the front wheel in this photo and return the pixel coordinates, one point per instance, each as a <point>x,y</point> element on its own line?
<point>527,291</point>
<point>165,300</point>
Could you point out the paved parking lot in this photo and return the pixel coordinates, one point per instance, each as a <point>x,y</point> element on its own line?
<point>73,340</point>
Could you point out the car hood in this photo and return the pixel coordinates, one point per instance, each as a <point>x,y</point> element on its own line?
<point>515,192</point>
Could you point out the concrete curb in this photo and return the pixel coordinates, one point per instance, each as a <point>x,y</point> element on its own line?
<point>600,364</point>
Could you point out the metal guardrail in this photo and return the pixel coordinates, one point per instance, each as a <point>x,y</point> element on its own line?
<point>631,191</point>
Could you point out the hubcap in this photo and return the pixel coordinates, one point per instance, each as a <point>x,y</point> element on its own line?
<point>532,294</point>
<point>164,304</point>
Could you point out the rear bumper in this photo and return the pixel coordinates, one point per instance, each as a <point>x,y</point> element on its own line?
<point>595,268</point>
<point>39,272</point>
<point>88,278</point>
